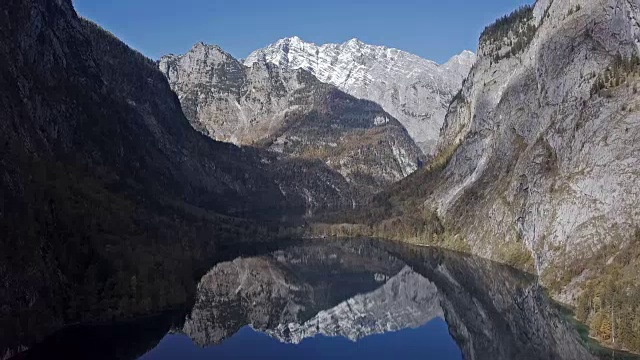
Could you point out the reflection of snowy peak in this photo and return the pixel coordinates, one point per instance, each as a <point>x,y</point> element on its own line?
<point>414,90</point>
<point>285,287</point>
<point>407,300</point>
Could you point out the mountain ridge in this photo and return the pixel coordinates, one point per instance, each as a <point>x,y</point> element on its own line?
<point>291,113</point>
<point>414,90</point>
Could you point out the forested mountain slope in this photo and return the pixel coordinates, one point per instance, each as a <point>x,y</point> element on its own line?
<point>106,188</point>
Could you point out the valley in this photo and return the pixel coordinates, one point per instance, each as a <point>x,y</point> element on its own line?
<point>131,187</point>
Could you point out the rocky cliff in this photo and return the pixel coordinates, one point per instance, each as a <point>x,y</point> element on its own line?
<point>538,158</point>
<point>414,90</point>
<point>543,155</point>
<point>290,112</point>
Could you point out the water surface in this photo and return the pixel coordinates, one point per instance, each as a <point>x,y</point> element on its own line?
<point>351,299</point>
<point>430,341</point>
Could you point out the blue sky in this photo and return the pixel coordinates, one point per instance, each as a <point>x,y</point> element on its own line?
<point>434,29</point>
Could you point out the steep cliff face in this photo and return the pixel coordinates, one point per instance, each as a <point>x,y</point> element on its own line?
<point>545,158</point>
<point>539,153</point>
<point>290,112</point>
<point>414,90</point>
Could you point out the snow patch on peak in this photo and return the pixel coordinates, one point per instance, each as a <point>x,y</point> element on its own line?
<point>466,57</point>
<point>355,41</point>
<point>407,300</point>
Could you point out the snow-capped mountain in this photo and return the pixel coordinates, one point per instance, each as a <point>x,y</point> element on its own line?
<point>407,300</point>
<point>414,90</point>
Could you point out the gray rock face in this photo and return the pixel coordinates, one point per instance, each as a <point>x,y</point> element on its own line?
<point>538,157</point>
<point>228,101</point>
<point>290,112</point>
<point>414,90</point>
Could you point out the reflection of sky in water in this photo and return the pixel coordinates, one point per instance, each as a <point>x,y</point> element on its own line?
<point>430,341</point>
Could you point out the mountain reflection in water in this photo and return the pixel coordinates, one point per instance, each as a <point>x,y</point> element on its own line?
<point>354,299</point>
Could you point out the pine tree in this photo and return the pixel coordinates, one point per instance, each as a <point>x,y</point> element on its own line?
<point>604,330</point>
<point>583,309</point>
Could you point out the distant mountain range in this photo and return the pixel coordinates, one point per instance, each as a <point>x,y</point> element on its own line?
<point>334,103</point>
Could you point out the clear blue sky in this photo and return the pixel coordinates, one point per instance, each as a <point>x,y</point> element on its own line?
<point>434,29</point>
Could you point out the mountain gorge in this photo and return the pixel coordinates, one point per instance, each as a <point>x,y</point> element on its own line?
<point>291,113</point>
<point>414,90</point>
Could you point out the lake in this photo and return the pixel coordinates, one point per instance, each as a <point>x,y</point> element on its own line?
<point>350,299</point>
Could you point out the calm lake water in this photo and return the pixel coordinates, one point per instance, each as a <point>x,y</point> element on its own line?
<point>346,299</point>
<point>431,340</point>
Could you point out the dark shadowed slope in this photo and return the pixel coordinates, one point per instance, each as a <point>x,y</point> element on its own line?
<point>105,187</point>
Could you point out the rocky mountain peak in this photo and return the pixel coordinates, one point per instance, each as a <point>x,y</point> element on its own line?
<point>414,90</point>
<point>287,110</point>
<point>461,63</point>
<point>211,51</point>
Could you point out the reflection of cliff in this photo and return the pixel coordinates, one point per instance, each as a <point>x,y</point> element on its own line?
<point>289,286</point>
<point>493,311</point>
<point>357,288</point>
<point>405,301</point>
